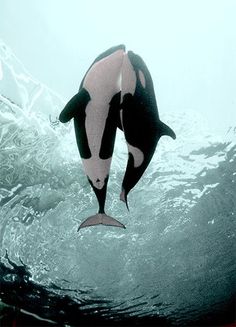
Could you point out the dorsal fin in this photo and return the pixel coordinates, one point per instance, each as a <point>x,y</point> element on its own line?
<point>166,130</point>
<point>76,104</point>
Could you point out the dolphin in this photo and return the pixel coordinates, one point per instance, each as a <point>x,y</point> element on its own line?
<point>116,92</point>
<point>95,109</point>
<point>139,119</point>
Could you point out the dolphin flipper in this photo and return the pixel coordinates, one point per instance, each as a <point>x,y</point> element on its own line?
<point>100,218</point>
<point>76,105</point>
<point>166,130</point>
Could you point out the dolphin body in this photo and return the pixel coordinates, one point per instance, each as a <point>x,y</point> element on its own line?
<point>116,91</point>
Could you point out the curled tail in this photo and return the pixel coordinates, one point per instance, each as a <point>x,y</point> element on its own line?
<point>100,218</point>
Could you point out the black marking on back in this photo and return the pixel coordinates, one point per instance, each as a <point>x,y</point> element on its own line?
<point>108,138</point>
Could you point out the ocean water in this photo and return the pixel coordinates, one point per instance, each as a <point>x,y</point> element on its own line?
<point>174,264</point>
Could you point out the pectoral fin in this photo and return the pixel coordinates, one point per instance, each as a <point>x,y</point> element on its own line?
<point>166,130</point>
<point>75,106</point>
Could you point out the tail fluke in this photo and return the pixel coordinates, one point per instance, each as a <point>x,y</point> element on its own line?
<point>101,218</point>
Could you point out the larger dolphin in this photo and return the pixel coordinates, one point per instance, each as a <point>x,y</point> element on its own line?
<point>117,91</point>
<point>95,110</point>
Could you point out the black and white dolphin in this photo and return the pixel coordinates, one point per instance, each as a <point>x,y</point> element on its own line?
<point>140,119</point>
<point>95,110</point>
<point>117,91</point>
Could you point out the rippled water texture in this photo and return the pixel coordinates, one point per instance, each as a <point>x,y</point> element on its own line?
<point>175,260</point>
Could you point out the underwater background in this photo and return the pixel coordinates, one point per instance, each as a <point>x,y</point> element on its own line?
<point>173,265</point>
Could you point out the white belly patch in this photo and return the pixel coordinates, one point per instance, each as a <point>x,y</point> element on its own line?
<point>97,170</point>
<point>137,155</point>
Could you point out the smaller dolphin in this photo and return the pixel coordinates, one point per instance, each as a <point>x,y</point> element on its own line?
<point>139,119</point>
